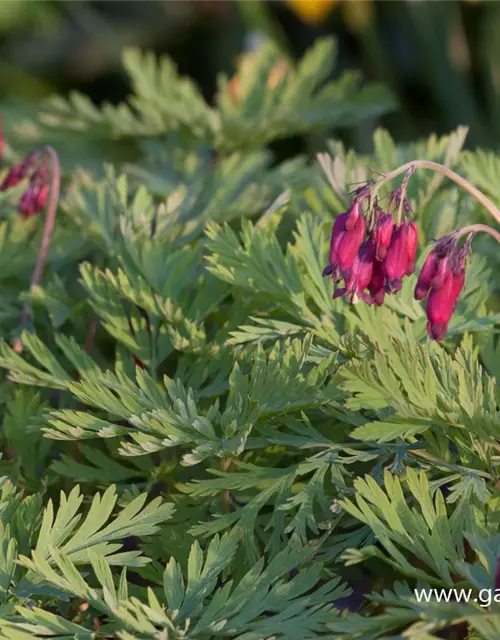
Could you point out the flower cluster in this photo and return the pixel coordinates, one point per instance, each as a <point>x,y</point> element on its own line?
<point>372,254</point>
<point>442,278</point>
<point>34,199</point>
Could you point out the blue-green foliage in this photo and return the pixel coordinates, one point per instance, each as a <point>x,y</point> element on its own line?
<point>186,347</point>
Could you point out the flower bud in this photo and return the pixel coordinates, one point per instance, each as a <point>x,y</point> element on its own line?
<point>34,199</point>
<point>440,306</point>
<point>376,287</point>
<point>382,233</point>
<point>411,246</point>
<point>427,273</point>
<point>442,269</point>
<point>17,173</point>
<point>349,246</point>
<point>361,272</point>
<point>338,231</point>
<point>353,215</point>
<point>396,260</point>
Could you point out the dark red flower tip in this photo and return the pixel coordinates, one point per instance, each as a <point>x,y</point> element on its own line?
<point>382,234</point>
<point>437,331</point>
<point>376,286</point>
<point>138,362</point>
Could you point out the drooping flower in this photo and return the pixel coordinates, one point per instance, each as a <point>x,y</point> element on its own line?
<point>138,362</point>
<point>440,307</point>
<point>436,266</point>
<point>376,286</point>
<point>427,274</point>
<point>360,275</point>
<point>349,247</point>
<point>396,260</point>
<point>34,199</point>
<point>338,231</point>
<point>411,246</point>
<point>15,175</point>
<point>400,258</point>
<point>346,239</point>
<point>443,277</point>
<point>382,234</point>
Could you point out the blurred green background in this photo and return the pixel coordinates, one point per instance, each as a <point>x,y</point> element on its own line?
<point>440,58</point>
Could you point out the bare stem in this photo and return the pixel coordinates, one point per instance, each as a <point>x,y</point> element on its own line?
<point>478,228</point>
<point>226,494</point>
<point>439,168</point>
<point>50,220</point>
<point>89,341</point>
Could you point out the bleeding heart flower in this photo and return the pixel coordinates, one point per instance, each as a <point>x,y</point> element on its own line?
<point>382,234</point>
<point>396,260</point>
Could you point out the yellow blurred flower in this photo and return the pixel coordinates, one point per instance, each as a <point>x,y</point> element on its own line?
<point>312,12</point>
<point>358,13</point>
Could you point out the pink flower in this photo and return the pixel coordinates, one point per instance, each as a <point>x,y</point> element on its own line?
<point>376,286</point>
<point>360,275</point>
<point>349,247</point>
<point>338,231</point>
<point>443,274</point>
<point>396,260</point>
<point>441,304</point>
<point>344,246</point>
<point>427,274</point>
<point>412,244</point>
<point>382,233</point>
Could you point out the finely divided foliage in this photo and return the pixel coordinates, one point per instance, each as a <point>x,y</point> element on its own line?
<point>199,440</point>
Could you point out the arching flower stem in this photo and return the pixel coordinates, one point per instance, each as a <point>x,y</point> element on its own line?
<point>414,165</point>
<point>48,228</point>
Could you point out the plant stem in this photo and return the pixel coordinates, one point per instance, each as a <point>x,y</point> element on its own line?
<point>475,228</point>
<point>226,495</point>
<point>439,168</point>
<point>89,341</point>
<point>50,220</point>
